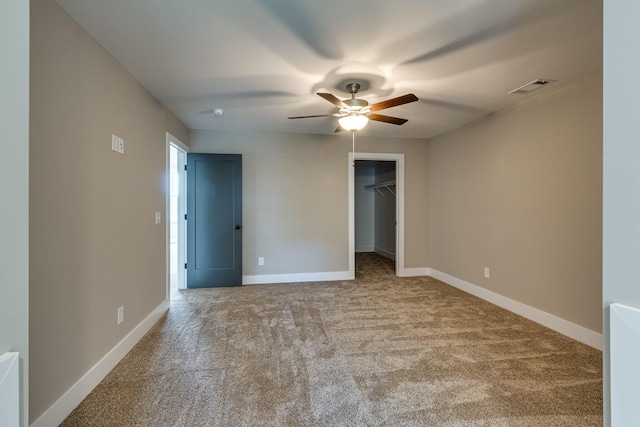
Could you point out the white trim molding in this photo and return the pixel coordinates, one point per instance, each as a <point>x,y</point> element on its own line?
<point>624,334</point>
<point>414,272</point>
<point>390,157</point>
<point>76,394</point>
<point>577,332</point>
<point>171,140</point>
<point>328,276</point>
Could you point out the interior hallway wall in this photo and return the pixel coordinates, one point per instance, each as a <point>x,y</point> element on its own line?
<point>94,244</point>
<point>621,246</point>
<point>14,189</point>
<point>295,197</point>
<point>520,192</point>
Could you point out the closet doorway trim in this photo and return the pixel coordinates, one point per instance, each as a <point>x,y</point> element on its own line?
<point>399,159</point>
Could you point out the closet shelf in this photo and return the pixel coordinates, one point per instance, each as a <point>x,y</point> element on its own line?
<point>385,184</point>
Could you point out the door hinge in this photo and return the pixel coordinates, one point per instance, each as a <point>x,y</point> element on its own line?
<point>185,167</point>
<point>185,216</point>
<point>185,265</point>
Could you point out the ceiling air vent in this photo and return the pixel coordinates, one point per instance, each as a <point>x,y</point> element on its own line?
<point>530,87</point>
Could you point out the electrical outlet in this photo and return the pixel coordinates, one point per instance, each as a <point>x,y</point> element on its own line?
<point>120,315</point>
<point>158,217</point>
<point>487,272</point>
<point>261,260</point>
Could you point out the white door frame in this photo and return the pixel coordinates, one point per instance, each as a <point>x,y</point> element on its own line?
<point>399,159</point>
<point>175,142</point>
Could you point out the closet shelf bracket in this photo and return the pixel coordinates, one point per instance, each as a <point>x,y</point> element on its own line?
<point>385,184</point>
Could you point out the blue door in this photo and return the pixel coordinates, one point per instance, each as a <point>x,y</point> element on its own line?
<point>214,220</point>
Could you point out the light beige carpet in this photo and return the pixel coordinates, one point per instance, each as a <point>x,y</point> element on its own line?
<point>377,351</point>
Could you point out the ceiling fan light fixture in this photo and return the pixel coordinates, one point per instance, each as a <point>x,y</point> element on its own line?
<point>353,122</point>
<point>355,113</point>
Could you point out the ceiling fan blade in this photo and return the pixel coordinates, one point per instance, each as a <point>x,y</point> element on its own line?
<point>387,119</point>
<point>333,99</point>
<point>308,117</point>
<point>394,102</point>
<point>339,129</point>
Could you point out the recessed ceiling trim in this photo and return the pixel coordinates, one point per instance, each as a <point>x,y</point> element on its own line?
<point>531,86</point>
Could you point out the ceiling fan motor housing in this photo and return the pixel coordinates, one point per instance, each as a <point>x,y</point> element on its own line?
<point>356,104</point>
<point>353,103</point>
<point>353,88</point>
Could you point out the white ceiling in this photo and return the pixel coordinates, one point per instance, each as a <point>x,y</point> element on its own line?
<point>264,60</point>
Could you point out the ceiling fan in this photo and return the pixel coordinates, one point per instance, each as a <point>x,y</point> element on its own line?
<point>355,113</point>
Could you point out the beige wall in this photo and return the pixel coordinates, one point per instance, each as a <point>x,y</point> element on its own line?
<point>14,188</point>
<point>521,192</point>
<point>94,245</point>
<point>296,193</point>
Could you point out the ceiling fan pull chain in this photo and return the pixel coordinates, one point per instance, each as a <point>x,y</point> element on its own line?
<point>353,147</point>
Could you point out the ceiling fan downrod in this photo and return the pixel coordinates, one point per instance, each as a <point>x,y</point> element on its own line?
<point>354,103</point>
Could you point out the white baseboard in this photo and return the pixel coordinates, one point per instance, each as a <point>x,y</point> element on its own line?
<point>577,332</point>
<point>364,248</point>
<point>385,253</point>
<point>413,272</point>
<point>296,277</point>
<point>76,394</point>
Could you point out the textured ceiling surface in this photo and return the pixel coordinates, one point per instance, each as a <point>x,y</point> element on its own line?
<point>264,60</point>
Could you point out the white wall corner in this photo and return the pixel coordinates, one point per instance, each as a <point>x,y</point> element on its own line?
<point>624,336</point>
<point>385,253</point>
<point>364,248</point>
<point>10,389</point>
<point>577,332</point>
<point>81,389</point>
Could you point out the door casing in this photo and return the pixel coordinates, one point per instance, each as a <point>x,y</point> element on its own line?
<point>172,141</point>
<point>399,160</point>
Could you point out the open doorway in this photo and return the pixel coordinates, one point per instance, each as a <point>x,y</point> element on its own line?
<point>375,213</point>
<point>375,207</point>
<point>176,209</point>
<point>382,175</point>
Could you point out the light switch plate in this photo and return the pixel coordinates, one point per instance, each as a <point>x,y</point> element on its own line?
<point>117,144</point>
